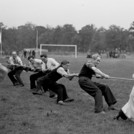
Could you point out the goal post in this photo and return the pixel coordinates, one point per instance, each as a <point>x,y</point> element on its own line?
<point>44,46</point>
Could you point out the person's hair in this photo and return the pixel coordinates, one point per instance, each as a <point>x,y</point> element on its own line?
<point>29,57</point>
<point>14,52</point>
<point>95,56</point>
<point>64,62</point>
<point>43,55</point>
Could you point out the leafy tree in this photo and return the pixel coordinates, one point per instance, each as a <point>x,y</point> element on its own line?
<point>114,36</point>
<point>57,35</point>
<point>86,36</point>
<point>68,32</point>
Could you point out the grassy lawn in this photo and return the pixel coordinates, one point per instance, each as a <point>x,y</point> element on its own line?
<point>23,113</point>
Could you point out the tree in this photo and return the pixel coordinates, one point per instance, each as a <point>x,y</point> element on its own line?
<point>99,40</point>
<point>115,37</point>
<point>86,36</point>
<point>26,36</point>
<point>57,35</point>
<point>68,32</point>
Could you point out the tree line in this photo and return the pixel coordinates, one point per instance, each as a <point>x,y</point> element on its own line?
<point>87,38</point>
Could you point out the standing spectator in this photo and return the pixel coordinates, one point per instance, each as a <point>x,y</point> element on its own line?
<point>33,53</point>
<point>25,53</point>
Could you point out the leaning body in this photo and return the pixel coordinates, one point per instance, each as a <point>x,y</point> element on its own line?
<point>128,108</point>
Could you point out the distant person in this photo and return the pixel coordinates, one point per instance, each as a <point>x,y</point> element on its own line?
<point>33,53</point>
<point>96,90</point>
<point>50,80</point>
<point>25,53</point>
<point>16,69</point>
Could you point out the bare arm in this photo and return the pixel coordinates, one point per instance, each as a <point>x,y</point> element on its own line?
<point>99,73</point>
<point>65,74</point>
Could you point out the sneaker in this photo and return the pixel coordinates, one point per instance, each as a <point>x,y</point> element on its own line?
<point>60,103</point>
<point>68,100</point>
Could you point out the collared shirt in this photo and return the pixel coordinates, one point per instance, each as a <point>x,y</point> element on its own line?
<point>15,61</point>
<point>37,64</point>
<point>51,64</point>
<point>62,71</point>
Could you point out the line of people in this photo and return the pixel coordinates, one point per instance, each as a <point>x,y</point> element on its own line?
<point>47,71</point>
<point>42,67</point>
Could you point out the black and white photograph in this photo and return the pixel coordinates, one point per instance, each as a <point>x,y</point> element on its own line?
<point>66,67</point>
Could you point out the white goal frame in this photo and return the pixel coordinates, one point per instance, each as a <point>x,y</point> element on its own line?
<point>59,45</point>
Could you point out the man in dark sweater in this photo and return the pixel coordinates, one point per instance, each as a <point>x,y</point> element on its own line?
<point>51,79</point>
<point>95,89</point>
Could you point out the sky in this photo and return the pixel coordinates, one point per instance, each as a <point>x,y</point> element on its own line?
<point>79,13</point>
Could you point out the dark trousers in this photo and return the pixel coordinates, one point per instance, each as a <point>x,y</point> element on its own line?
<point>14,75</point>
<point>97,90</point>
<point>59,89</point>
<point>33,79</point>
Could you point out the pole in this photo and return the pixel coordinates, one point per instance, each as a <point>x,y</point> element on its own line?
<point>1,41</point>
<point>36,43</point>
<point>37,40</point>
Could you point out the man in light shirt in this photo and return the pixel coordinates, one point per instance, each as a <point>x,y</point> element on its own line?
<point>37,66</point>
<point>48,66</point>
<point>16,69</point>
<point>50,63</point>
<point>45,65</point>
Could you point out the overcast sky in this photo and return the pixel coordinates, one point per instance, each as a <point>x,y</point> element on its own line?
<point>79,13</point>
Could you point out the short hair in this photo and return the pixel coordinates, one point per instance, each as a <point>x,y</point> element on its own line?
<point>64,62</point>
<point>14,52</point>
<point>43,55</point>
<point>95,56</point>
<point>29,57</point>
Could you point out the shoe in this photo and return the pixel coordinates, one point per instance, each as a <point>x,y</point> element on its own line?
<point>53,96</point>
<point>21,85</point>
<point>68,100</point>
<point>16,84</point>
<point>60,103</point>
<point>112,108</point>
<point>37,92</point>
<point>101,112</point>
<point>116,118</point>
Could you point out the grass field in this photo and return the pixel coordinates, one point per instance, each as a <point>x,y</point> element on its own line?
<point>23,113</point>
